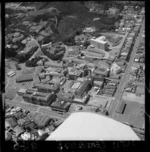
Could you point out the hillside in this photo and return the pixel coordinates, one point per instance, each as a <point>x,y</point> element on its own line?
<point>57,21</point>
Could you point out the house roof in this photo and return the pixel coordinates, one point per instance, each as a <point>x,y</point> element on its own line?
<point>44,33</point>
<point>27,77</point>
<point>45,120</point>
<point>12,121</point>
<point>18,130</point>
<point>99,40</point>
<point>40,38</point>
<point>83,87</point>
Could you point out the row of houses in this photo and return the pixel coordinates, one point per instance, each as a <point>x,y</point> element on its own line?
<point>18,122</point>
<point>37,97</point>
<point>127,47</point>
<point>108,88</point>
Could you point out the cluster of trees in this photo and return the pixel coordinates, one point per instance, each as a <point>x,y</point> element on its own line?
<point>10,17</point>
<point>25,56</point>
<point>68,28</point>
<point>56,54</point>
<point>33,62</point>
<point>69,25</point>
<point>15,47</point>
<point>55,38</point>
<point>46,40</point>
<point>101,26</point>
<point>43,17</point>
<point>74,17</point>
<point>10,52</point>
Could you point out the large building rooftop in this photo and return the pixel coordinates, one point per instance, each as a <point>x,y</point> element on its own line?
<point>100,39</point>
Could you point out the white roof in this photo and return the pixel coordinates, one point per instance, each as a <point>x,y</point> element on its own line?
<point>100,39</point>
<point>92,126</point>
<point>76,85</point>
<point>115,66</point>
<point>22,90</point>
<point>10,72</point>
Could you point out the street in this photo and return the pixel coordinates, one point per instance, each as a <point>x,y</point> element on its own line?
<point>35,108</point>
<point>125,78</point>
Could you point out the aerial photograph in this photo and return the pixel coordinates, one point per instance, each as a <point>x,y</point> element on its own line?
<point>75,70</point>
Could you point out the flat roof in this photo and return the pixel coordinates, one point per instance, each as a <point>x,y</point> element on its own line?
<point>68,84</point>
<point>76,85</point>
<point>10,72</point>
<point>22,90</point>
<point>99,40</point>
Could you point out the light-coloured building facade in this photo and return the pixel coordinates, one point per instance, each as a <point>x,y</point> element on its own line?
<point>99,43</point>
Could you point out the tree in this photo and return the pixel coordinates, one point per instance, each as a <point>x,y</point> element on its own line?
<point>46,40</point>
<point>68,27</point>
<point>18,66</point>
<point>10,52</point>
<point>116,24</point>
<point>54,29</point>
<point>32,62</point>
<point>25,56</point>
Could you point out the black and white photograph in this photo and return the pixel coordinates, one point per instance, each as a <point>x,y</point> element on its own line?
<point>74,71</point>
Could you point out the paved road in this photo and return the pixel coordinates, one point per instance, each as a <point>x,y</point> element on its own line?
<point>7,84</point>
<point>36,108</point>
<point>125,78</point>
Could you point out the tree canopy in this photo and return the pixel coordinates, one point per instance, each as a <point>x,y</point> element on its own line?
<point>69,25</point>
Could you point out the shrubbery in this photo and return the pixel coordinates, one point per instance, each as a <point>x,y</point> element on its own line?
<point>10,52</point>
<point>25,56</point>
<point>33,62</point>
<point>69,25</point>
<point>57,55</point>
